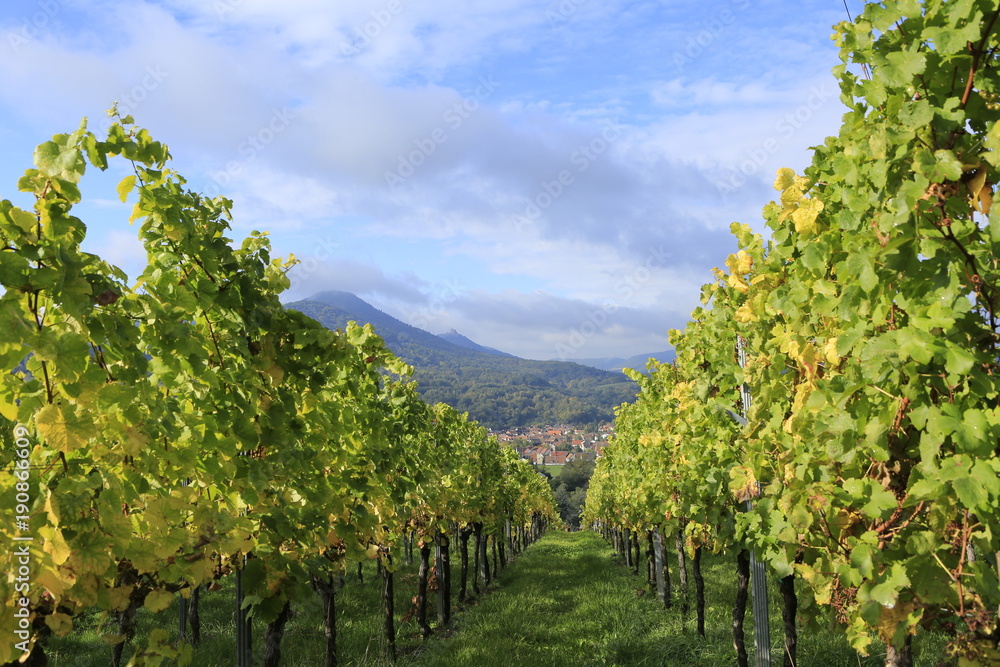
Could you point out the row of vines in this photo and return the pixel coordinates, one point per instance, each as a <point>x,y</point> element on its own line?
<point>869,317</point>
<point>162,435</point>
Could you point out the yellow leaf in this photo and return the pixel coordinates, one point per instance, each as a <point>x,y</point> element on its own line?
<point>55,582</point>
<point>62,428</point>
<point>980,191</point>
<point>119,597</point>
<point>744,483</point>
<point>744,262</point>
<point>737,284</point>
<point>157,601</point>
<point>892,617</point>
<point>56,545</point>
<point>740,263</point>
<point>744,314</point>
<point>976,183</point>
<point>200,571</point>
<point>986,200</point>
<point>113,639</point>
<point>8,409</point>
<point>61,624</point>
<point>830,351</point>
<point>125,187</point>
<point>802,393</point>
<point>785,179</point>
<point>805,216</point>
<point>809,361</point>
<point>52,509</point>
<point>789,473</point>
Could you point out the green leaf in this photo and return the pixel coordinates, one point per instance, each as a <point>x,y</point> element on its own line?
<point>973,434</point>
<point>970,492</point>
<point>924,489</point>
<point>880,501</point>
<point>861,270</point>
<point>269,608</point>
<point>861,560</point>
<point>923,542</point>
<point>847,340</point>
<point>994,221</point>
<point>886,592</point>
<point>254,574</point>
<point>940,166</point>
<point>958,361</point>
<point>948,165</point>
<point>948,40</point>
<point>992,142</point>
<point>900,68</point>
<point>125,187</point>
<point>95,152</point>
<point>814,257</point>
<point>917,114</point>
<point>916,344</point>
<point>57,158</point>
<point>20,219</point>
<point>988,474</point>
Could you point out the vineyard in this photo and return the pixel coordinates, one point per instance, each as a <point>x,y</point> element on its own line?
<point>832,417</point>
<point>188,429</point>
<point>831,422</point>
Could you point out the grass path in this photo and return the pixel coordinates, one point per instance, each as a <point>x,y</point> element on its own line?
<point>560,603</point>
<point>569,601</point>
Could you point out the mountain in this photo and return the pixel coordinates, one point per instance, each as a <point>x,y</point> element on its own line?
<point>638,362</point>
<point>499,391</point>
<point>458,339</point>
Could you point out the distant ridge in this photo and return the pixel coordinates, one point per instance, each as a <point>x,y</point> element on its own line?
<point>497,389</point>
<point>638,362</point>
<point>456,338</point>
<point>397,334</point>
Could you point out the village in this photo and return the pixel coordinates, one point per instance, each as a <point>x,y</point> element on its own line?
<point>556,445</point>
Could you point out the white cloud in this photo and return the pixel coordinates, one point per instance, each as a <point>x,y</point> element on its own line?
<point>211,78</point>
<point>679,93</point>
<point>320,272</point>
<point>391,37</point>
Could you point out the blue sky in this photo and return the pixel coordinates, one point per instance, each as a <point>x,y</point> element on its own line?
<point>552,179</point>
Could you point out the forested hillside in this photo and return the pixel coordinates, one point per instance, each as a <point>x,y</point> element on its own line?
<point>498,391</point>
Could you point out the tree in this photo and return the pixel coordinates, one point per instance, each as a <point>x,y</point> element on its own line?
<point>576,473</point>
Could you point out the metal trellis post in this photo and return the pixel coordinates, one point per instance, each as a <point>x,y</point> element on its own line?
<point>758,576</point>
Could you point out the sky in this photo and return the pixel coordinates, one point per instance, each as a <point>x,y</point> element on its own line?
<point>551,178</point>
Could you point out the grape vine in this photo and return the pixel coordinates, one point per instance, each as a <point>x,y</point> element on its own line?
<point>186,425</point>
<point>870,320</point>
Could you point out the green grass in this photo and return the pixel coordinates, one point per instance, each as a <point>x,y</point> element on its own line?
<point>553,470</point>
<point>568,600</point>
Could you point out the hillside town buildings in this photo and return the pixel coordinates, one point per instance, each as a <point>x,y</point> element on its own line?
<point>556,445</point>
